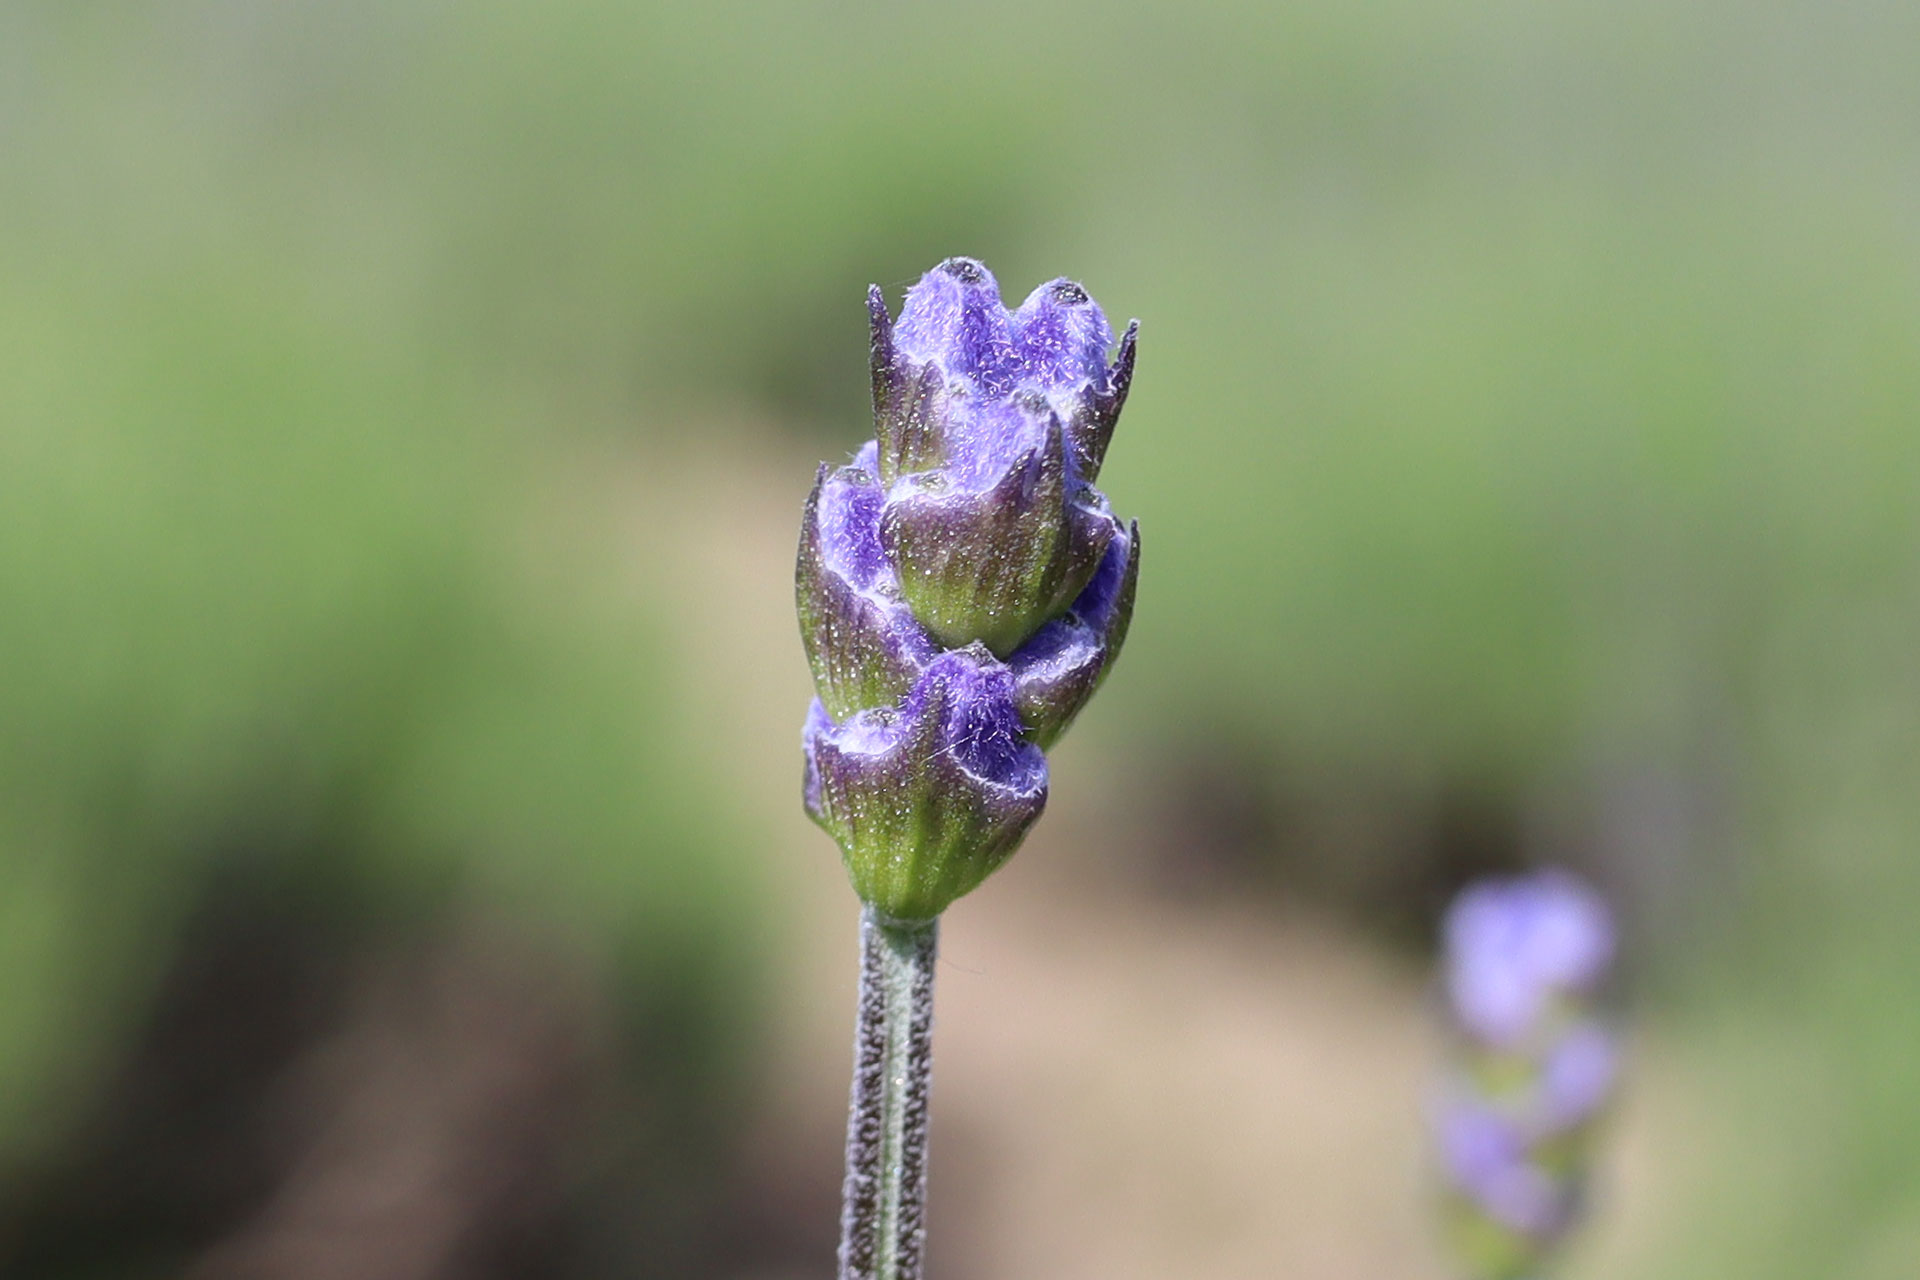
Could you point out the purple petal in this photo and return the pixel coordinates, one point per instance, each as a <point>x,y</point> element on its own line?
<point>954,318</point>
<point>1515,945</point>
<point>1577,1078</point>
<point>984,438</point>
<point>1058,670</point>
<point>928,797</point>
<point>849,526</point>
<point>1060,337</point>
<point>995,553</point>
<point>862,641</point>
<point>1486,1158</point>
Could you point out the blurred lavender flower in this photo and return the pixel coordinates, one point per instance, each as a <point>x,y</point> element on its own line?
<point>1514,946</point>
<point>962,586</point>
<point>1534,1066</point>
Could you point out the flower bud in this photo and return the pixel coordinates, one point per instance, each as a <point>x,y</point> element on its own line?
<point>1061,338</point>
<point>863,643</point>
<point>1533,1066</point>
<point>999,541</point>
<point>990,429</point>
<point>953,318</point>
<point>927,798</point>
<point>1059,669</point>
<point>1516,946</point>
<point>1504,1205</point>
<point>962,587</point>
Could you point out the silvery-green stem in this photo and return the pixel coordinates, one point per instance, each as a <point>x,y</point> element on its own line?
<point>883,1214</point>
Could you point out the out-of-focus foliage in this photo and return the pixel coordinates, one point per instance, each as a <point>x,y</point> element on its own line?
<point>274,603</point>
<point>1528,400</point>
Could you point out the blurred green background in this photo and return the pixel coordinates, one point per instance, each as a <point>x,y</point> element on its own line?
<point>405,408</point>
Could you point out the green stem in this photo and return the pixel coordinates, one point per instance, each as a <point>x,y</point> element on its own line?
<point>883,1213</point>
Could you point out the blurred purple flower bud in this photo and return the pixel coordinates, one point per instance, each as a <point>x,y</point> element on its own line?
<point>1523,958</point>
<point>1576,1078</point>
<point>1487,1159</point>
<point>1515,945</point>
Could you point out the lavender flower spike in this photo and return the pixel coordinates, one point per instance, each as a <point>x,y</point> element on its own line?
<point>963,589</point>
<point>968,525</point>
<point>1533,1066</point>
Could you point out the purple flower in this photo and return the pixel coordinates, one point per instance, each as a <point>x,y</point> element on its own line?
<point>990,429</point>
<point>1488,1159</point>
<point>928,797</point>
<point>1057,671</point>
<point>1513,946</point>
<point>1576,1078</point>
<point>1524,957</point>
<point>962,569</point>
<point>863,642</point>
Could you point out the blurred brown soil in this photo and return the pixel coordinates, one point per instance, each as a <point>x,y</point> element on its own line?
<point>435,1120</point>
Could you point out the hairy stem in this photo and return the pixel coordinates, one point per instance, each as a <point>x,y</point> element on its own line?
<point>883,1213</point>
